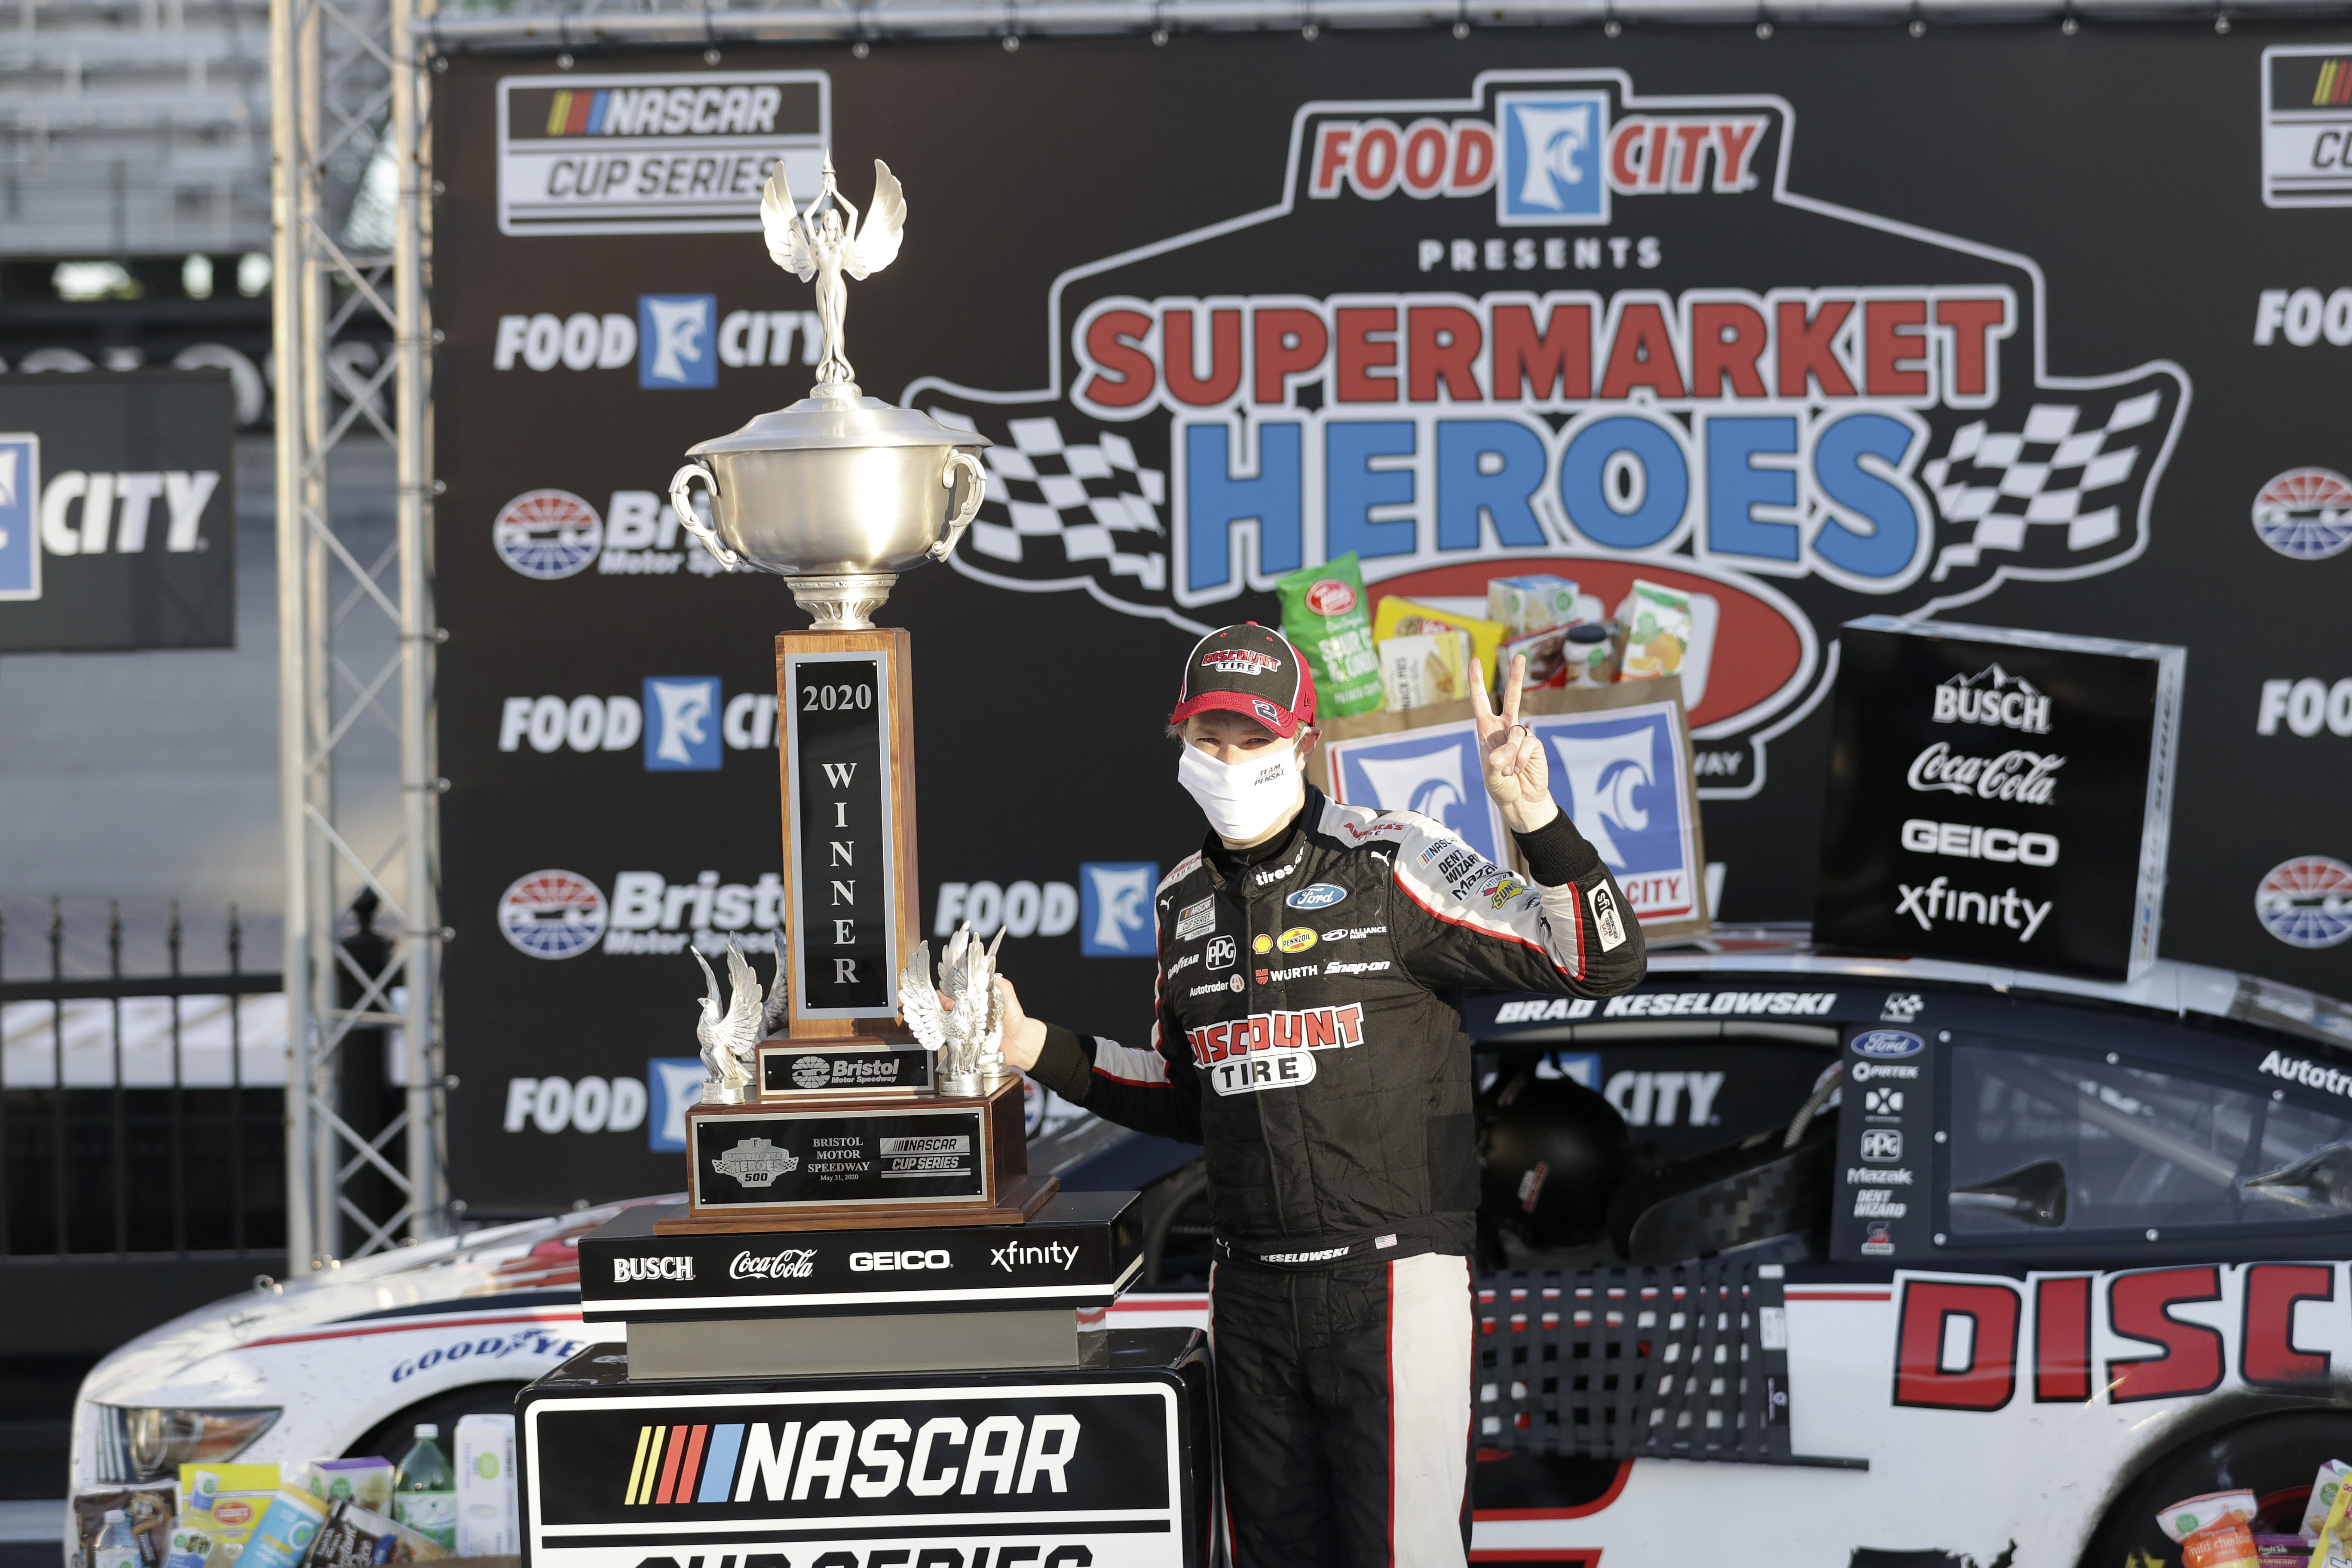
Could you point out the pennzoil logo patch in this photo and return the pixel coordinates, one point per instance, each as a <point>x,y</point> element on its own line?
<point>1606,922</point>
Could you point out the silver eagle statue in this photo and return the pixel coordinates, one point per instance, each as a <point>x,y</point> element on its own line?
<point>965,1038</point>
<point>730,1036</point>
<point>825,239</point>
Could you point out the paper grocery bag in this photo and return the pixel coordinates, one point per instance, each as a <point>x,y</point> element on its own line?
<point>1660,855</point>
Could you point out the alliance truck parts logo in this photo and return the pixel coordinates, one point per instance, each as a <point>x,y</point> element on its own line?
<point>1560,326</point>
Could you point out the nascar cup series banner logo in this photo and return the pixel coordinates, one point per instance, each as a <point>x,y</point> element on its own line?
<point>1560,325</point>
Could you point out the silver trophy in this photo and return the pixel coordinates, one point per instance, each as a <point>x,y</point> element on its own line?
<point>966,1038</point>
<point>840,492</point>
<point>730,1036</point>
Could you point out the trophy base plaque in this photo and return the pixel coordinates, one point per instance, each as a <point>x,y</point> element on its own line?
<point>825,1162</point>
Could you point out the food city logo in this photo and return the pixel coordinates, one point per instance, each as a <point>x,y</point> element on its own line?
<point>81,512</point>
<point>531,1344</point>
<point>1493,381</point>
<point>556,913</point>
<point>692,728</point>
<point>673,342</point>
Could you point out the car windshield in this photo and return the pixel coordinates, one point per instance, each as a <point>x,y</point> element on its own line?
<point>2053,1142</point>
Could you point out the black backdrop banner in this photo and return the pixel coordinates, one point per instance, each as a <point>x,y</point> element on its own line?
<point>1801,327</point>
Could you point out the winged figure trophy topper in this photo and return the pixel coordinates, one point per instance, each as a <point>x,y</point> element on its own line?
<point>827,238</point>
<point>730,1036</point>
<point>967,1035</point>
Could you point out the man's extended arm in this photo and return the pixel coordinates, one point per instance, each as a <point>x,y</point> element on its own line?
<point>1463,920</point>
<point>1154,1091</point>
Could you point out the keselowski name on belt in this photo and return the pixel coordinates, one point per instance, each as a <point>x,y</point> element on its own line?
<point>1338,1116</point>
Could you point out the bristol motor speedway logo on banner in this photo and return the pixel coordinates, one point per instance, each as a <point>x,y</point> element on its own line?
<point>1559,326</point>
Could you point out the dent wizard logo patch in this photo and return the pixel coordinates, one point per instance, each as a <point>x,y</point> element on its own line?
<point>1557,326</point>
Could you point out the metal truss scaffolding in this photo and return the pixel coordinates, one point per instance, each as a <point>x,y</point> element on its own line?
<point>351,166</point>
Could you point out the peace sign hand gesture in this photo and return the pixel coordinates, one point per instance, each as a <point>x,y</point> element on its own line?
<point>1518,776</point>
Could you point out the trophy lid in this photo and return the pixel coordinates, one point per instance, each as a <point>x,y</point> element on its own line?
<point>836,415</point>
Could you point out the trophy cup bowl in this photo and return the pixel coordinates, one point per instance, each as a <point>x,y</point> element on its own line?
<point>837,495</point>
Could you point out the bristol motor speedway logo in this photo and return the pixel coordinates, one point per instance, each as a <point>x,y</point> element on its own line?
<point>1559,326</point>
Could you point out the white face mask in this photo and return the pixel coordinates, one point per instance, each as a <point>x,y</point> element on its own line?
<point>1241,799</point>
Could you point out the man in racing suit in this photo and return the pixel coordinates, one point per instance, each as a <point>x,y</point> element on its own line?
<point>1301,1037</point>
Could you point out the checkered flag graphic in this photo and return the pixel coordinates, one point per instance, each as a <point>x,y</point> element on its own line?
<point>1062,504</point>
<point>2062,488</point>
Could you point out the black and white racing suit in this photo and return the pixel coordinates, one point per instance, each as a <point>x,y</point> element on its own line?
<point>1301,1038</point>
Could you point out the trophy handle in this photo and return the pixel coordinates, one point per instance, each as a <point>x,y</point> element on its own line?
<point>959,458</point>
<point>682,502</point>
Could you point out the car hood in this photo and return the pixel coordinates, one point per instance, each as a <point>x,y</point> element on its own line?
<point>538,1259</point>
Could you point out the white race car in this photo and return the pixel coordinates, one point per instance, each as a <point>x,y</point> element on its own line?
<point>2013,1261</point>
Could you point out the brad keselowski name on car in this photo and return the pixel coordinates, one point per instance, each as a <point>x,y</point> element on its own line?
<point>1669,1004</point>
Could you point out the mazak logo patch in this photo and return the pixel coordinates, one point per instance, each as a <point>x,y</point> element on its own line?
<point>1468,335</point>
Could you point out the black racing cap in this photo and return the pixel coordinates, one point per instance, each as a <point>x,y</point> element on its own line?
<point>1248,669</point>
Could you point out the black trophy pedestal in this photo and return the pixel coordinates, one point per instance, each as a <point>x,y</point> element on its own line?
<point>946,1396</point>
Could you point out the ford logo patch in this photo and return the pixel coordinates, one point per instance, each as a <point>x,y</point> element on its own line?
<point>1322,896</point>
<point>1884,1043</point>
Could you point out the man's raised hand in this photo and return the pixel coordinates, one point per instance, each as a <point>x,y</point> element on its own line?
<point>1518,777</point>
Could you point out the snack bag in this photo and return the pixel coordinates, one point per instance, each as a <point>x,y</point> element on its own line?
<point>1324,617</point>
<point>358,1537</point>
<point>2215,1529</point>
<point>2333,1548</point>
<point>146,1508</point>
<point>2324,1487</point>
<point>1402,617</point>
<point>367,1482</point>
<point>1424,669</point>
<point>1547,655</point>
<point>1528,605</point>
<point>1655,624</point>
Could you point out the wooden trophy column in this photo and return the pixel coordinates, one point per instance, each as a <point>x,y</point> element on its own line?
<point>815,1157</point>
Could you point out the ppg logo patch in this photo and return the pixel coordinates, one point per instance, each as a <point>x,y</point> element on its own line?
<point>682,723</point>
<point>20,549</point>
<point>674,341</point>
<point>1551,158</point>
<point>1434,771</point>
<point>1115,908</point>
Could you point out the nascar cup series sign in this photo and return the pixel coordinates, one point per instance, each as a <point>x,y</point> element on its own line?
<point>1448,349</point>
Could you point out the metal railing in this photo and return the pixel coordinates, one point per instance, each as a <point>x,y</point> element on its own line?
<point>141,1114</point>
